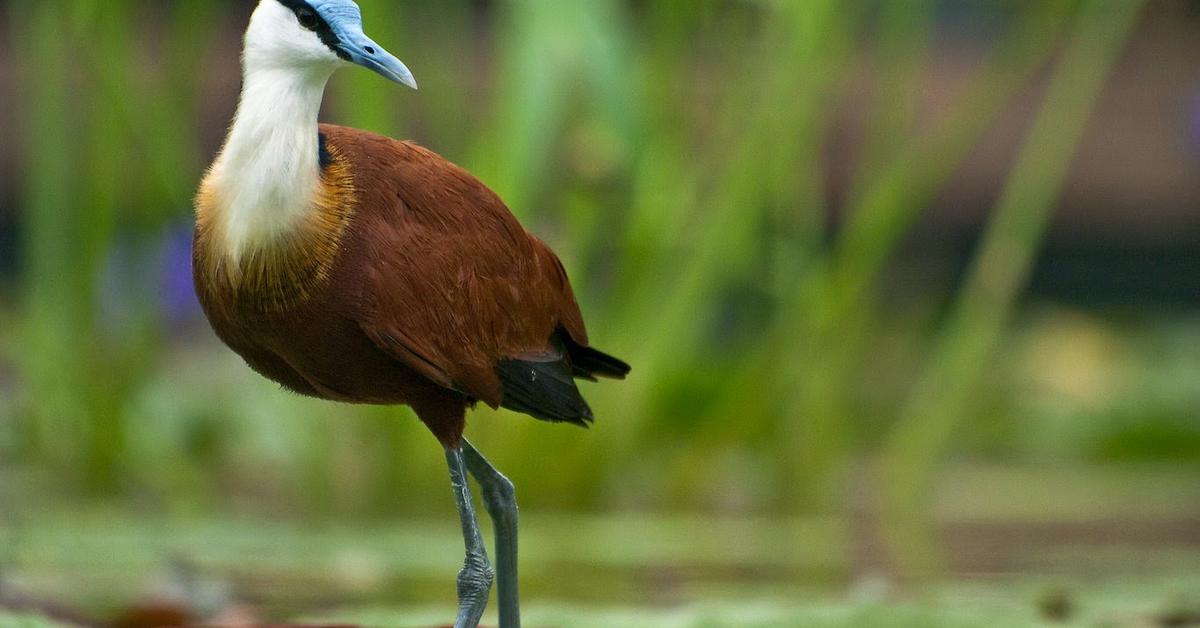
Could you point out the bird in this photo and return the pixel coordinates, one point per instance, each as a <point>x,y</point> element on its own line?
<point>356,268</point>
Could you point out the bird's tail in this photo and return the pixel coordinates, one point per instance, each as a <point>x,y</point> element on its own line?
<point>589,363</point>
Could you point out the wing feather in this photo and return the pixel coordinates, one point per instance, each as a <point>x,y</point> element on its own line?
<point>454,287</point>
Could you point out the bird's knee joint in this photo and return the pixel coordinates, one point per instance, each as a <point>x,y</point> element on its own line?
<point>501,498</point>
<point>503,491</point>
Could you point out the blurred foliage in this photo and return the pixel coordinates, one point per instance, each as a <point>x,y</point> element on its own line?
<point>982,309</point>
<point>673,154</point>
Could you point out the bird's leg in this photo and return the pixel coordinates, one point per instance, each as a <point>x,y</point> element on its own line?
<point>475,579</point>
<point>500,499</point>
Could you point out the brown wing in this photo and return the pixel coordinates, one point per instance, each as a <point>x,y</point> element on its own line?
<point>453,286</point>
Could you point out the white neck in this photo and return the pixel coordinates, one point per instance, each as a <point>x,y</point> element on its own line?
<point>268,171</point>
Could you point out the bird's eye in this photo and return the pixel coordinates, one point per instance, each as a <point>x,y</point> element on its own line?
<point>307,18</point>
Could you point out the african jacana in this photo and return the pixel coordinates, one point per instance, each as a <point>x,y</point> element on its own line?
<point>356,268</point>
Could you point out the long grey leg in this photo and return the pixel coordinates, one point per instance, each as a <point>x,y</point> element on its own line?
<point>475,579</point>
<point>500,498</point>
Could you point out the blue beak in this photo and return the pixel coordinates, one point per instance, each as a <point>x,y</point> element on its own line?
<point>360,50</point>
<point>345,21</point>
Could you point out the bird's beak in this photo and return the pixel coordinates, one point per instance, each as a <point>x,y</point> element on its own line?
<point>357,48</point>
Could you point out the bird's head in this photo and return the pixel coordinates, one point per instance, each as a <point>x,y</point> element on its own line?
<point>316,36</point>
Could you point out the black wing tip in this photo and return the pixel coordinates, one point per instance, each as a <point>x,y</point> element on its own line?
<point>546,390</point>
<point>543,390</point>
<point>579,418</point>
<point>584,420</point>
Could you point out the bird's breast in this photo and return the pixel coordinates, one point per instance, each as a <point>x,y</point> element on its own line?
<point>273,274</point>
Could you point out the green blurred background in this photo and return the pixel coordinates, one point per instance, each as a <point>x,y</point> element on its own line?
<point>911,289</point>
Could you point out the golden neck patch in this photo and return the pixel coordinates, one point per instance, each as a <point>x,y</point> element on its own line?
<point>286,272</point>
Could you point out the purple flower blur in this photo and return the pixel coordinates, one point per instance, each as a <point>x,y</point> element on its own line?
<point>178,299</point>
<point>1196,121</point>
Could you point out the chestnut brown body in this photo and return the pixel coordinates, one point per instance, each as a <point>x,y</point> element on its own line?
<point>409,283</point>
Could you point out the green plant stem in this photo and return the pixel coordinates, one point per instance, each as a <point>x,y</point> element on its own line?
<point>940,401</point>
<point>57,296</point>
<point>824,323</point>
<point>800,60</point>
